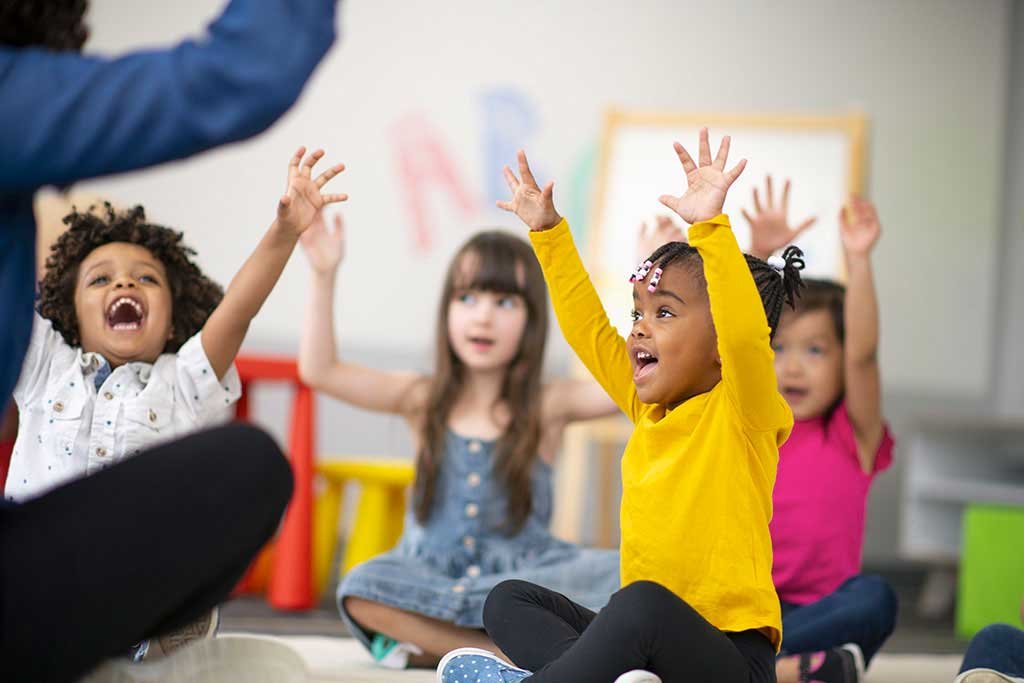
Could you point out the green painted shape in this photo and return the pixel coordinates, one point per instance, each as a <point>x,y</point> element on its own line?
<point>581,186</point>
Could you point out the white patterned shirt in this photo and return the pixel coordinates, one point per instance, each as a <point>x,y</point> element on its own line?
<point>76,416</point>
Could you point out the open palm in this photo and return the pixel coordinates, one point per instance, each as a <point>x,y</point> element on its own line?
<point>534,205</point>
<point>858,226</point>
<point>302,199</point>
<point>707,184</point>
<point>769,226</point>
<point>324,247</point>
<point>648,239</point>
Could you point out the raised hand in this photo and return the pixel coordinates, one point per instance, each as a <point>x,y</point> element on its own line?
<point>324,247</point>
<point>648,239</point>
<point>769,227</point>
<point>302,198</point>
<point>533,205</point>
<point>707,184</point>
<point>859,228</point>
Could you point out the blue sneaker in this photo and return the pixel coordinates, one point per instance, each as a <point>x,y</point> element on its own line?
<point>471,665</point>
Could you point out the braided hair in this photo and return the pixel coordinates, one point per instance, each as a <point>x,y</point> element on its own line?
<point>777,284</point>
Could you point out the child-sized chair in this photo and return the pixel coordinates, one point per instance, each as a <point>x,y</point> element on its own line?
<point>379,513</point>
<point>286,571</point>
<point>293,569</point>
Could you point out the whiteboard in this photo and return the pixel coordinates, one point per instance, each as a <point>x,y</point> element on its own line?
<point>822,156</point>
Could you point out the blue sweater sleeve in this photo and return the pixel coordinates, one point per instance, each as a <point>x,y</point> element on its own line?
<point>67,117</point>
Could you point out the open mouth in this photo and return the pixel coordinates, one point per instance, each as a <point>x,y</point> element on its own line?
<point>644,363</point>
<point>794,394</point>
<point>481,343</point>
<point>125,314</point>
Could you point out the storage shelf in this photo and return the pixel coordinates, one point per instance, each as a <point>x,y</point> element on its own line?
<point>952,462</point>
<point>959,491</point>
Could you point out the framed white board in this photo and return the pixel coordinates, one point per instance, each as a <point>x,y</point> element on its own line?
<point>823,156</point>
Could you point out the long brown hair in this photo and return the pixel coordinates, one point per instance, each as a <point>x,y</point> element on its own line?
<point>503,264</point>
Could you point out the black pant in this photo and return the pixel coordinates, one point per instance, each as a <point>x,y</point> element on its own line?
<point>131,552</point>
<point>644,626</point>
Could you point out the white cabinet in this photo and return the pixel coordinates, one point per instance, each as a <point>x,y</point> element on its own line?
<point>952,462</point>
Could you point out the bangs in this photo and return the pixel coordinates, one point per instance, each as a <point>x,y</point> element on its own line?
<point>820,295</point>
<point>490,268</point>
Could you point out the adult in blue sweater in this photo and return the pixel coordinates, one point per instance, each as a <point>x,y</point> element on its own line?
<point>149,545</point>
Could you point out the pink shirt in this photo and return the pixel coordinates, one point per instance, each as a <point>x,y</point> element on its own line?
<point>820,497</point>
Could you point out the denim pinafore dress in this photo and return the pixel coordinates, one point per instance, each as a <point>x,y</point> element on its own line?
<point>445,568</point>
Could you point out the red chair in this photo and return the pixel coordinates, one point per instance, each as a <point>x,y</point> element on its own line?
<point>290,584</point>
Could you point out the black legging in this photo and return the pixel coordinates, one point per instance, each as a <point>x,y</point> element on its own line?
<point>146,546</point>
<point>644,626</point>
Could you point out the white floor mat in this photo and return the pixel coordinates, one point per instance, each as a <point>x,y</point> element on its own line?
<point>297,659</point>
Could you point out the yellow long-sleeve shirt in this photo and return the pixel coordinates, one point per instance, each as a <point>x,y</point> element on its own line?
<point>697,479</point>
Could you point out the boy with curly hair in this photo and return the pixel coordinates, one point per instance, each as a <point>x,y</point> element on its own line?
<point>133,345</point>
<point>79,352</point>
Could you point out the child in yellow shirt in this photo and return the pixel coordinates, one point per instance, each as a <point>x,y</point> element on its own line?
<point>696,377</point>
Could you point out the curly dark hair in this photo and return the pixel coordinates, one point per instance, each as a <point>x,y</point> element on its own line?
<point>193,295</point>
<point>56,24</point>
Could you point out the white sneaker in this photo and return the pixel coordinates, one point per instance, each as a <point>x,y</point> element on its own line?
<point>252,659</point>
<point>203,628</point>
<point>858,659</point>
<point>392,654</point>
<point>985,676</point>
<point>638,676</point>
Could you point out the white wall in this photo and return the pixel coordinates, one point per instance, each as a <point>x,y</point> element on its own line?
<point>931,74</point>
<point>1008,371</point>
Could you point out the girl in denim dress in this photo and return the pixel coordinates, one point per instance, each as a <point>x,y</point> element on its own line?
<point>487,431</point>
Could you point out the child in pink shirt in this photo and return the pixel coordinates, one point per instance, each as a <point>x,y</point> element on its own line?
<point>826,359</point>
